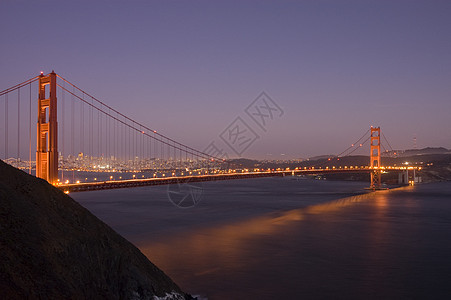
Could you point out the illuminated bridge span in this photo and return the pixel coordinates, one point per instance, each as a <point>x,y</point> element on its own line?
<point>76,132</point>
<point>117,184</point>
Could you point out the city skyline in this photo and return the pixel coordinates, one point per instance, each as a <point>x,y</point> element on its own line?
<point>190,70</point>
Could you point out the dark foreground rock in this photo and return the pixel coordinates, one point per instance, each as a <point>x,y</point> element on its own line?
<point>53,248</point>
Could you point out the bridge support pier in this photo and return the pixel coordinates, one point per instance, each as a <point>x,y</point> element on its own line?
<point>47,135</point>
<point>406,177</point>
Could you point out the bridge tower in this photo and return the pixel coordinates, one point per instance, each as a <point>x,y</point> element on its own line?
<point>375,157</point>
<point>47,135</point>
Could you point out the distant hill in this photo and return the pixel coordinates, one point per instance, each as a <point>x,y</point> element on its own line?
<point>321,157</point>
<point>53,248</point>
<point>435,163</point>
<point>424,151</point>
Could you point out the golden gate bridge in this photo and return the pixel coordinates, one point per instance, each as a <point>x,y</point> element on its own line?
<point>76,132</point>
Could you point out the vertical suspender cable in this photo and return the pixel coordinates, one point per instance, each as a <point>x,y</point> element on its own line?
<point>98,134</point>
<point>136,147</point>
<point>155,148</point>
<point>18,124</point>
<point>82,131</point>
<point>115,141</point>
<point>91,132</point>
<point>133,146</point>
<point>124,142</point>
<point>118,144</point>
<point>141,145</point>
<point>108,137</point>
<point>63,135</point>
<point>72,129</point>
<point>29,135</point>
<point>129,144</point>
<point>6,126</point>
<point>72,135</point>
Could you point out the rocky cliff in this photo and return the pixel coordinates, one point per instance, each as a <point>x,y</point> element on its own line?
<point>53,248</point>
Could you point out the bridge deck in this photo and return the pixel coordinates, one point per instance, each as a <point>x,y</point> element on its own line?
<point>116,184</point>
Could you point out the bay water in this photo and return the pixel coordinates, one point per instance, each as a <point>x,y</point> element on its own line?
<point>289,238</point>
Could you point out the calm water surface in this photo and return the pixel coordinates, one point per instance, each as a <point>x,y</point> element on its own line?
<point>280,238</point>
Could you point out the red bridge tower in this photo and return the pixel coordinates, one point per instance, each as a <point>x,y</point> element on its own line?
<point>375,158</point>
<point>47,136</point>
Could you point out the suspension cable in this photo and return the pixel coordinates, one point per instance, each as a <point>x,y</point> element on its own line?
<point>339,155</point>
<point>361,145</point>
<point>348,154</point>
<point>202,154</point>
<point>162,137</point>
<point>383,135</point>
<point>18,86</point>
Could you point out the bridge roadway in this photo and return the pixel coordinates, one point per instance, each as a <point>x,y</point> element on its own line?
<point>128,183</point>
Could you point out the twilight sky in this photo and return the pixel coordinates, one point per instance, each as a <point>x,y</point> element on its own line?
<point>189,68</point>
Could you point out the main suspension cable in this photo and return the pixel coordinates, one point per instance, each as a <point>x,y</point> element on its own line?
<point>162,137</point>
<point>180,145</point>
<point>18,86</point>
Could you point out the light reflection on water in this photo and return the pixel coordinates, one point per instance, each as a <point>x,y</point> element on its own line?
<point>229,241</point>
<point>354,247</point>
<point>384,245</point>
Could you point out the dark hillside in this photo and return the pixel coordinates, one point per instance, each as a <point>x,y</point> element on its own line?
<point>53,248</point>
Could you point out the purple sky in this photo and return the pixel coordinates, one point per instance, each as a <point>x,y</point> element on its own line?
<point>189,68</point>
